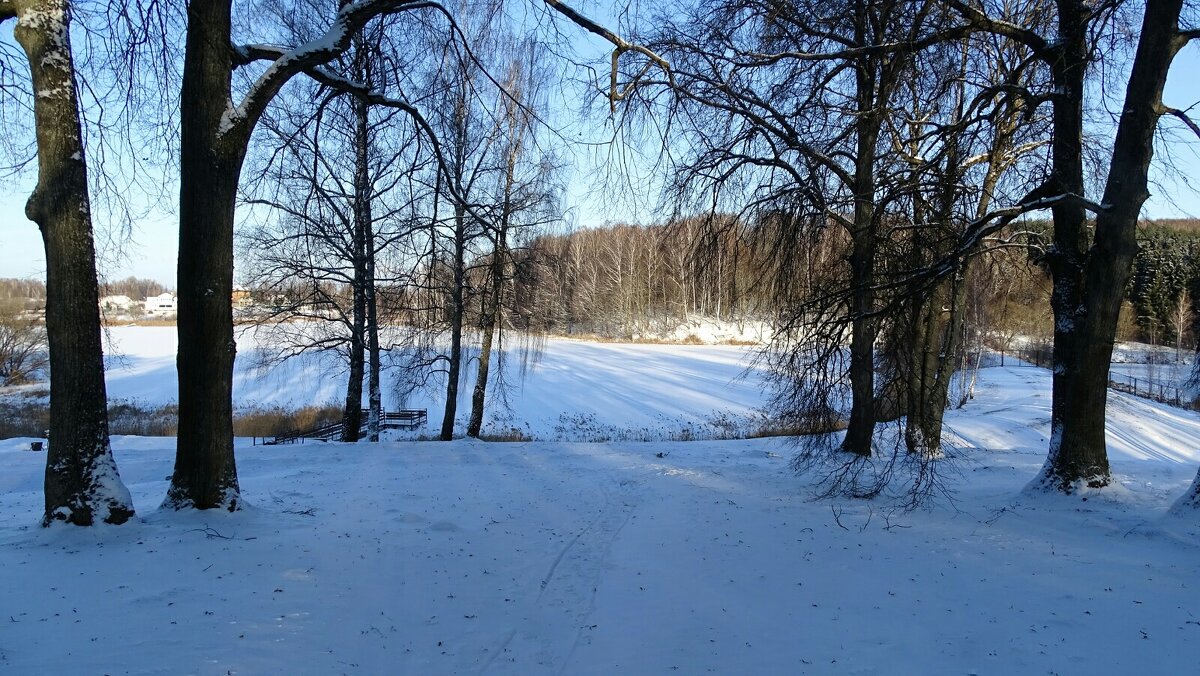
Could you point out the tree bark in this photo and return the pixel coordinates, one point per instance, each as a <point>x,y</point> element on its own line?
<point>214,135</point>
<point>82,483</point>
<point>1190,501</point>
<point>211,158</point>
<point>489,320</point>
<point>457,307</point>
<point>352,411</point>
<point>864,327</point>
<point>1090,276</point>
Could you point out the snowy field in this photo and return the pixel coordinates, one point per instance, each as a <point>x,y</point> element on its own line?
<point>562,389</point>
<point>621,558</point>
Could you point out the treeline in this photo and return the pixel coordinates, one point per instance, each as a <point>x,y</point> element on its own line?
<point>135,288</point>
<point>35,289</point>
<point>22,290</point>
<point>1161,303</point>
<point>621,280</point>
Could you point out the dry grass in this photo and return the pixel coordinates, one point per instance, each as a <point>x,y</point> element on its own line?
<point>779,429</point>
<point>140,322</point>
<point>510,435</point>
<point>270,422</point>
<point>25,419</point>
<point>32,419</point>
<point>690,339</point>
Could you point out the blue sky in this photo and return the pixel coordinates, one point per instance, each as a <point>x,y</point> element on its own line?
<point>151,249</point>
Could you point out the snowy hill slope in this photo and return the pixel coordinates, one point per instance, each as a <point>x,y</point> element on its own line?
<point>652,388</point>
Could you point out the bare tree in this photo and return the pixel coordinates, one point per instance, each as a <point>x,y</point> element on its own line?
<point>1090,267</point>
<point>1182,319</point>
<point>787,106</point>
<point>526,201</point>
<point>216,132</point>
<point>339,184</point>
<point>82,482</point>
<point>23,355</point>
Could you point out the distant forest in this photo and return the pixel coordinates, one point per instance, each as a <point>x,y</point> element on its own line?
<point>619,281</point>
<point>26,290</point>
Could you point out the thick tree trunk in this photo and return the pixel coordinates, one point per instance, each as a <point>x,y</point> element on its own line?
<point>864,327</point>
<point>82,483</point>
<point>937,326</point>
<point>929,385</point>
<point>211,157</point>
<point>1089,281</point>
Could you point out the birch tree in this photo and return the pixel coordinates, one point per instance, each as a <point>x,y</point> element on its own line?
<point>215,134</point>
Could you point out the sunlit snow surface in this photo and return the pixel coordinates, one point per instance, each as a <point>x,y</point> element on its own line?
<point>554,389</point>
<point>555,557</point>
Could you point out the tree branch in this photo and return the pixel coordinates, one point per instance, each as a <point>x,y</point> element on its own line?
<point>335,41</point>
<point>978,19</point>
<point>1183,117</point>
<point>621,46</point>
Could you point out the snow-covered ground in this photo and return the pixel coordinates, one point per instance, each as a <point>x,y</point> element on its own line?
<point>560,389</point>
<point>632,558</point>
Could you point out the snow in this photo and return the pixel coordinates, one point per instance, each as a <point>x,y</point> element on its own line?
<point>620,389</point>
<point>628,557</point>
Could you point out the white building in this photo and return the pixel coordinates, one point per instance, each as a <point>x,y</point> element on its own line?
<point>161,305</point>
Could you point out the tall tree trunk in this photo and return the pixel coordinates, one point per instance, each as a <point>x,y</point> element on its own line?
<point>205,474</point>
<point>352,414</point>
<point>352,411</point>
<point>364,225</point>
<point>82,483</point>
<point>937,326</point>
<point>457,307</point>
<point>1090,277</point>
<point>490,319</point>
<point>374,391</point>
<point>864,327</point>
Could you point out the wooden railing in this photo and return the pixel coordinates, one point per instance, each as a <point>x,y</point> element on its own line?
<point>407,419</point>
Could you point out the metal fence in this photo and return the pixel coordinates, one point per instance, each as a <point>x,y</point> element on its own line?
<point>1154,389</point>
<point>1148,388</point>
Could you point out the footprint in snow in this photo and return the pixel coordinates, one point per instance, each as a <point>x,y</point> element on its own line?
<point>443,527</point>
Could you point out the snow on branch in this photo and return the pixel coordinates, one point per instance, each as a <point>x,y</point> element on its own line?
<point>620,46</point>
<point>285,64</point>
<point>977,18</point>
